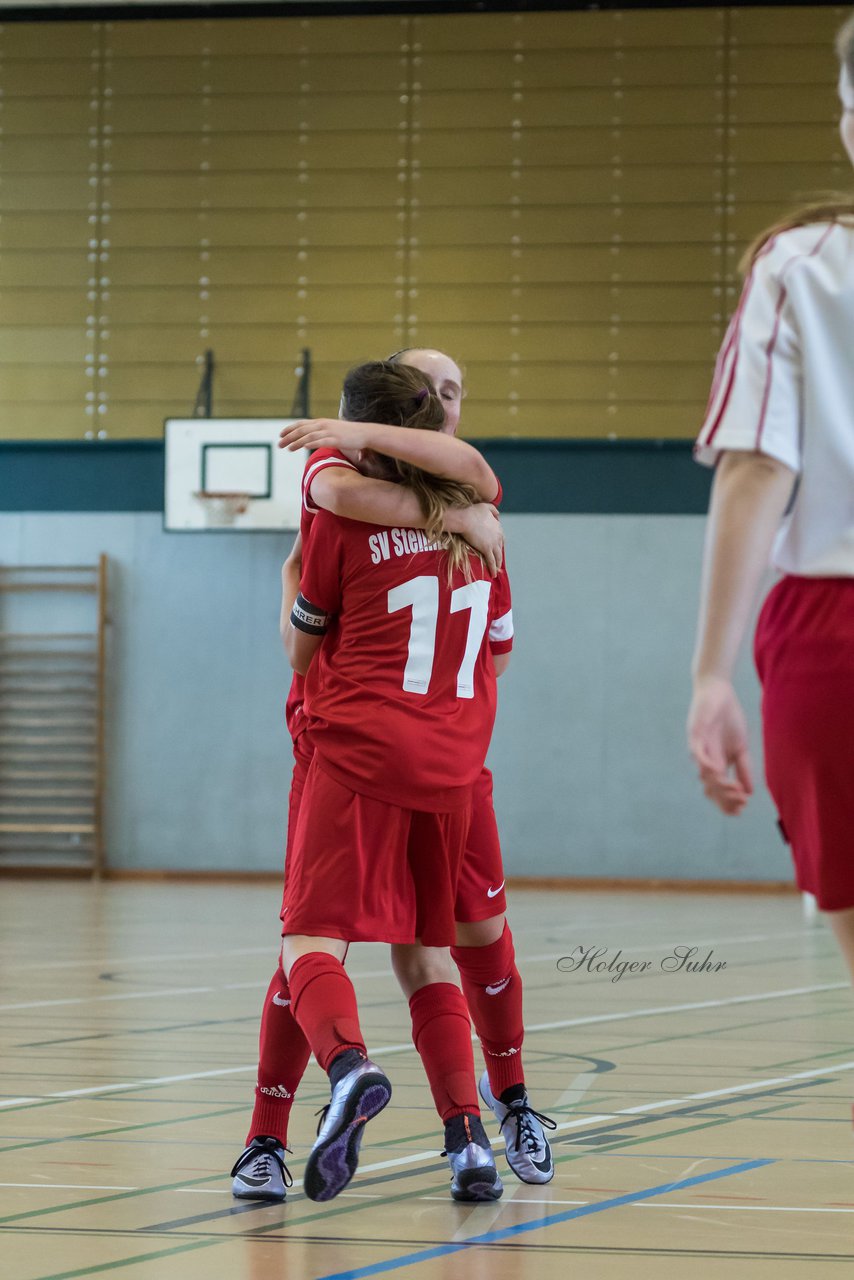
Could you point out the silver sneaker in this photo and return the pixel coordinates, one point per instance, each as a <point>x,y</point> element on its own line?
<point>473,1174</point>
<point>357,1098</point>
<point>525,1143</point>
<point>261,1173</point>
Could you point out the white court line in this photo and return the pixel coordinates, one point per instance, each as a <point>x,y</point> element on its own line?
<point>409,1047</point>
<point>576,1090</point>
<point>510,1193</point>
<point>119,996</point>
<point>669,1204</point>
<point>741,1088</point>
<point>127,962</point>
<point>130,1084</point>
<point>527,1200</point>
<point>65,1186</point>
<point>385,972</point>
<point>587,1121</point>
<point>743,1208</point>
<point>168,991</point>
<point>686,1008</point>
<point>581,1122</point>
<point>382,973</point>
<point>487,1214</point>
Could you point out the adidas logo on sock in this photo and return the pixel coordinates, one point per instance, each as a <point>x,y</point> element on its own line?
<point>274,1091</point>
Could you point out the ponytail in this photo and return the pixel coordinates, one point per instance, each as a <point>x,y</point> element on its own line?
<point>398,394</point>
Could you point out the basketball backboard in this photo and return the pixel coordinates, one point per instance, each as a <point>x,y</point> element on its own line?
<point>228,456</point>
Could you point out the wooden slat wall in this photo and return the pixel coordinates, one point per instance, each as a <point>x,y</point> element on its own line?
<point>559,199</point>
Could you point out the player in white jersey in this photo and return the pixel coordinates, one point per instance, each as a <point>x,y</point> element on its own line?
<point>780,426</point>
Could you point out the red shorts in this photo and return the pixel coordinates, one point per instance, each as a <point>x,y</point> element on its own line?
<point>366,871</point>
<point>480,889</point>
<point>303,756</point>
<point>804,653</point>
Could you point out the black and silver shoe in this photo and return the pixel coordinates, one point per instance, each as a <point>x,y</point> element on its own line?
<point>525,1143</point>
<point>261,1173</point>
<point>474,1176</point>
<point>359,1096</point>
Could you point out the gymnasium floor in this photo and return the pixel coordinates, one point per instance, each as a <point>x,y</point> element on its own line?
<point>704,1118</point>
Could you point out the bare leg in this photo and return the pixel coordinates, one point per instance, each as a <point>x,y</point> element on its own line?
<point>480,933</point>
<point>295,945</point>
<point>416,966</point>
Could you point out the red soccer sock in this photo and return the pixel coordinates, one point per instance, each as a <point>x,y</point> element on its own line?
<point>324,1005</point>
<point>493,990</point>
<point>442,1034</point>
<point>282,1060</point>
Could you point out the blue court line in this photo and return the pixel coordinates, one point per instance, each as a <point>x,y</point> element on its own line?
<point>584,1211</point>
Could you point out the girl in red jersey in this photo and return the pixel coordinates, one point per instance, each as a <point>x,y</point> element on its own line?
<point>484,951</point>
<point>400,700</point>
<point>780,425</point>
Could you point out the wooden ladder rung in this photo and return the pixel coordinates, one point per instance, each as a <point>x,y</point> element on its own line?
<point>45,810</point>
<point>8,776</point>
<point>78,588</point>
<point>22,754</point>
<point>47,828</point>
<point>65,703</point>
<point>36,740</point>
<point>12,792</point>
<point>79,722</point>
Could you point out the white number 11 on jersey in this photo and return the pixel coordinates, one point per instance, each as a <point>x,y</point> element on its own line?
<point>422,595</point>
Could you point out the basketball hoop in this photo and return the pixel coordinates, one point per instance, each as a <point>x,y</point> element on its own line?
<point>222,509</point>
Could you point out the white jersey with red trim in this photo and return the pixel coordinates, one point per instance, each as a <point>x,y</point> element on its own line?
<point>784,386</point>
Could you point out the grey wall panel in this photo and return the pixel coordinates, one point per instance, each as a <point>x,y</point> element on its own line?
<point>592,775</point>
<point>592,772</point>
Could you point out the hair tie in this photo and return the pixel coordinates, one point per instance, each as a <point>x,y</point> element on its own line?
<point>421,395</point>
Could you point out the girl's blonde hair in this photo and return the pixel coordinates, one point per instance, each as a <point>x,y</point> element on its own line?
<point>395,393</point>
<point>836,207</point>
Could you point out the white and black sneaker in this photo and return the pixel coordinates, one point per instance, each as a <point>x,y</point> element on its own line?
<point>525,1143</point>
<point>261,1173</point>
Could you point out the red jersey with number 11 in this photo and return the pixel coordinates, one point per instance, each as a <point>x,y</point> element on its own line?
<point>400,698</point>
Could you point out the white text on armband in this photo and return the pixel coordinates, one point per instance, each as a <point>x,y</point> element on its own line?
<point>308,617</point>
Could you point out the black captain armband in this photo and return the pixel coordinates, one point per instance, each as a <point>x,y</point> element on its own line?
<point>307,617</point>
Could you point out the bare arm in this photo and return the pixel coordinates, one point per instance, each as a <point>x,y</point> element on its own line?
<point>290,585</point>
<point>300,647</point>
<point>749,497</point>
<point>347,493</point>
<point>434,451</point>
<point>501,661</point>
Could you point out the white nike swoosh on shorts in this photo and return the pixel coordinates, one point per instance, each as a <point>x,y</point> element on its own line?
<point>493,893</point>
<point>277,999</point>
